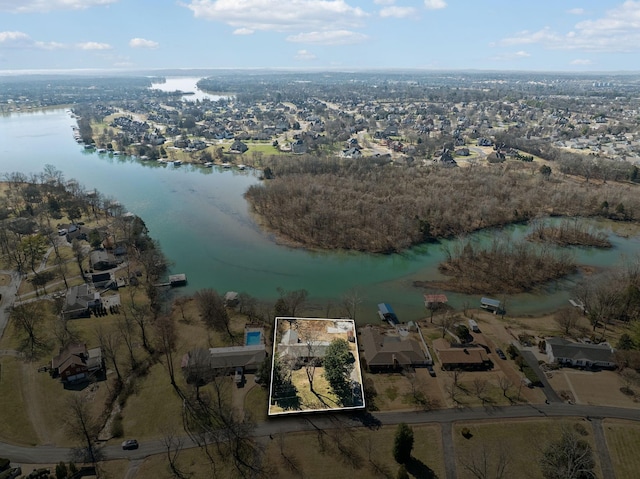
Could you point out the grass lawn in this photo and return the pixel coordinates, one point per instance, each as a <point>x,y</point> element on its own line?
<point>16,426</point>
<point>193,462</point>
<point>522,441</point>
<point>623,438</point>
<point>353,453</point>
<point>153,406</point>
<point>256,403</point>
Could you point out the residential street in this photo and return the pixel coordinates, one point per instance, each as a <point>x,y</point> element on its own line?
<point>52,454</point>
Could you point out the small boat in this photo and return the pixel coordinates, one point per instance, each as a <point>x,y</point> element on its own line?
<point>226,165</point>
<point>208,164</point>
<point>241,167</point>
<point>177,163</point>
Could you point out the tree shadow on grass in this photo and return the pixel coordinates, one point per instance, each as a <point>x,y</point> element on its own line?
<point>419,469</point>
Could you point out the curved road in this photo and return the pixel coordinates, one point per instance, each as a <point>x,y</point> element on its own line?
<point>53,454</point>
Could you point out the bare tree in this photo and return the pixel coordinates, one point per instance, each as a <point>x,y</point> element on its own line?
<point>126,328</point>
<point>173,446</point>
<point>446,322</point>
<point>166,339</point>
<point>27,319</point>
<point>109,344</point>
<point>487,464</point>
<point>504,383</point>
<point>293,299</point>
<point>212,310</point>
<point>83,427</point>
<point>350,301</point>
<point>570,457</point>
<point>480,387</point>
<point>566,319</point>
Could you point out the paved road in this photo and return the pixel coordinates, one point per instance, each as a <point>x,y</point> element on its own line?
<point>548,391</point>
<point>52,454</point>
<point>602,449</point>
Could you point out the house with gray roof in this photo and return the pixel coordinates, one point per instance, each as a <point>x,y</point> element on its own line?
<point>568,353</point>
<point>79,302</point>
<point>383,352</point>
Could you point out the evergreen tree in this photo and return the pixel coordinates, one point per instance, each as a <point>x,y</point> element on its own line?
<point>403,443</point>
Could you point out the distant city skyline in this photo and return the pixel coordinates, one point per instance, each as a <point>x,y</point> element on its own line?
<point>566,36</point>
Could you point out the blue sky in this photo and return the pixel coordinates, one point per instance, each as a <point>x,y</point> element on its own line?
<point>540,35</point>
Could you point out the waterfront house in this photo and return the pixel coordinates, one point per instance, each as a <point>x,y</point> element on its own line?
<point>382,352</point>
<point>564,352</point>
<point>79,302</point>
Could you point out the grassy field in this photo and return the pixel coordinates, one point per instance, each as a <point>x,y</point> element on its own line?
<point>623,439</point>
<point>16,425</point>
<point>521,441</point>
<point>360,453</point>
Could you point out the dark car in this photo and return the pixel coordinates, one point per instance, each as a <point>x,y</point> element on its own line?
<point>500,353</point>
<point>130,444</point>
<point>431,371</point>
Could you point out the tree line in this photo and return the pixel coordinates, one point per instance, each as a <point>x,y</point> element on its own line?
<point>370,205</point>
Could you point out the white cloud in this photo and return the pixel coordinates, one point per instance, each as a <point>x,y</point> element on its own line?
<point>15,39</point>
<point>397,12</point>
<point>22,40</point>
<point>434,4</point>
<point>333,37</point>
<point>384,2</point>
<point>576,11</point>
<point>30,6</point>
<point>276,15</point>
<point>243,31</point>
<point>617,31</point>
<point>93,46</point>
<point>581,61</point>
<point>511,56</point>
<point>304,55</point>
<point>143,43</point>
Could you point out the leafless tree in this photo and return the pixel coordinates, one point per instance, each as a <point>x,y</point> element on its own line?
<point>487,464</point>
<point>27,318</point>
<point>109,344</point>
<point>173,445</point>
<point>446,322</point>
<point>83,427</point>
<point>289,458</point>
<point>212,310</point>
<point>166,340</point>
<point>567,319</point>
<point>480,388</point>
<point>293,299</point>
<point>126,328</point>
<point>570,457</point>
<point>504,383</point>
<point>350,301</point>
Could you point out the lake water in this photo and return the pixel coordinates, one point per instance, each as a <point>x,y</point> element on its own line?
<point>186,85</point>
<point>202,222</point>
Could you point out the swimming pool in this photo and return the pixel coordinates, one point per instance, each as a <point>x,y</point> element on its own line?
<point>253,338</point>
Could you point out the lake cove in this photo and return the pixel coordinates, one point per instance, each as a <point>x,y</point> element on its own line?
<point>202,222</point>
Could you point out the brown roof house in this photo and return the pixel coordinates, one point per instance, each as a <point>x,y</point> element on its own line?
<point>461,357</point>
<point>382,352</point>
<point>77,363</point>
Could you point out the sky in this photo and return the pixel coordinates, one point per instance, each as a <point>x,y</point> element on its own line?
<point>524,35</point>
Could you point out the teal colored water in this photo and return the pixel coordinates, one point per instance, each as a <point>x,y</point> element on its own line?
<point>202,222</point>
<point>253,338</point>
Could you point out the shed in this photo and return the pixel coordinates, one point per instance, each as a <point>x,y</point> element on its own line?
<point>491,305</point>
<point>177,280</point>
<point>386,313</point>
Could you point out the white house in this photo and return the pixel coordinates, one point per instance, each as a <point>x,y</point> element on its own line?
<point>564,352</point>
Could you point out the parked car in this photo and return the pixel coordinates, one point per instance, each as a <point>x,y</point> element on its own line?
<point>237,377</point>
<point>500,353</point>
<point>432,372</point>
<point>129,444</point>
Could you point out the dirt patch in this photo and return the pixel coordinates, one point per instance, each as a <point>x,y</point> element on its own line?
<point>5,279</point>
